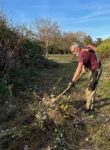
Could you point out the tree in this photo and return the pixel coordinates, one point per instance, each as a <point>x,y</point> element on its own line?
<point>66,40</point>
<point>25,31</point>
<point>98,41</point>
<point>69,37</point>
<point>80,36</point>
<point>88,40</point>
<point>48,32</point>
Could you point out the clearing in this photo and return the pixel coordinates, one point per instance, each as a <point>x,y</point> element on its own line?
<point>64,126</point>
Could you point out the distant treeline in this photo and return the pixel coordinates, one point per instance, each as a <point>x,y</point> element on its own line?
<point>45,31</point>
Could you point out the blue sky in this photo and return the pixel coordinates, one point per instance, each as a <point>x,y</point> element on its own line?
<point>89,16</point>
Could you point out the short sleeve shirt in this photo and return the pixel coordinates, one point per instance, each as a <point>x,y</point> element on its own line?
<point>89,59</point>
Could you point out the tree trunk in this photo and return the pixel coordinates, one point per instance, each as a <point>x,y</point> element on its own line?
<point>46,48</point>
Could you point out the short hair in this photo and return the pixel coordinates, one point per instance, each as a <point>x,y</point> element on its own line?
<point>75,45</point>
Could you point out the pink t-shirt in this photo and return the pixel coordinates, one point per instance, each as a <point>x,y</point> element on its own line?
<point>88,58</point>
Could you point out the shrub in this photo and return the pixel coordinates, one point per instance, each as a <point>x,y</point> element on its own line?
<point>3,88</point>
<point>104,49</point>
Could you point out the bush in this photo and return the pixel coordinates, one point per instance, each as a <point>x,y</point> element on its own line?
<point>34,49</point>
<point>21,57</point>
<point>3,88</point>
<point>104,49</point>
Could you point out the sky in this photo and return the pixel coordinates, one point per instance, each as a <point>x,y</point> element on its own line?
<point>89,16</point>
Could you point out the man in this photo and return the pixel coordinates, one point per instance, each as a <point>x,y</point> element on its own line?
<point>87,58</point>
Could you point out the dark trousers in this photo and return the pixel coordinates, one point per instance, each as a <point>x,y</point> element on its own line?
<point>91,89</point>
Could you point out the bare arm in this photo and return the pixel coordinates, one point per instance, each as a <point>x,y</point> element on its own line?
<point>77,72</point>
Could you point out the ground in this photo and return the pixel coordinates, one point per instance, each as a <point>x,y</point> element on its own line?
<point>63,126</point>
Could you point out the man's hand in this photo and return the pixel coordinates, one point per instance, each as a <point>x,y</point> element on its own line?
<point>71,83</point>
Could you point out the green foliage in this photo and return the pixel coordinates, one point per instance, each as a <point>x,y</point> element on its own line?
<point>88,40</point>
<point>3,88</point>
<point>34,55</point>
<point>98,41</point>
<point>17,77</point>
<point>104,48</point>
<point>34,49</point>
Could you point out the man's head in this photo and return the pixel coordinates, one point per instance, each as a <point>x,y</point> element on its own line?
<point>75,48</point>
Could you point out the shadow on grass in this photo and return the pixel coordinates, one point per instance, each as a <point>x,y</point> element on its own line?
<point>80,104</point>
<point>102,102</point>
